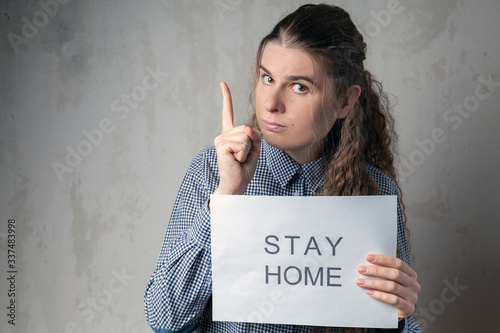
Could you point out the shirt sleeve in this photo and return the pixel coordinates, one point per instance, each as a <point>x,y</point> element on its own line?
<point>388,187</point>
<point>410,325</point>
<point>181,284</point>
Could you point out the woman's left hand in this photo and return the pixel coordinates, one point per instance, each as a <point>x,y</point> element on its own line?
<point>399,287</point>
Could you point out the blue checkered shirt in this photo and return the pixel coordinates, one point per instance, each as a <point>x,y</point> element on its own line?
<point>178,295</point>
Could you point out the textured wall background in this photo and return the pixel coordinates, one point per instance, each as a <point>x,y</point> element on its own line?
<point>104,104</point>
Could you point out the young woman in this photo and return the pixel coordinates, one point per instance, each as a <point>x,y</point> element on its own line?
<point>321,126</point>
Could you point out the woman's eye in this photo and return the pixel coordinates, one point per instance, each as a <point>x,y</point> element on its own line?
<point>299,88</point>
<point>268,79</point>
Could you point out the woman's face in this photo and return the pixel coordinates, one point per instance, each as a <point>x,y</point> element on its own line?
<point>294,107</point>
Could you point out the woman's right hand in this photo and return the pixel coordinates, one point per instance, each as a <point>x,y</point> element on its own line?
<point>238,150</point>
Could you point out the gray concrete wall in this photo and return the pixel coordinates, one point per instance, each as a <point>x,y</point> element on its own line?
<point>104,104</point>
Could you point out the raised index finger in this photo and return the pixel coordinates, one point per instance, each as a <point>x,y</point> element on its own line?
<point>227,108</point>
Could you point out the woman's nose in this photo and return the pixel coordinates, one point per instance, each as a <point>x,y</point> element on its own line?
<point>273,101</point>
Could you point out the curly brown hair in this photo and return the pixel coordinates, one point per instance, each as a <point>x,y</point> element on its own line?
<point>366,135</point>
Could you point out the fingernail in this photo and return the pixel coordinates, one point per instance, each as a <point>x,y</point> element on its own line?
<point>360,282</point>
<point>369,291</point>
<point>362,269</point>
<point>370,257</point>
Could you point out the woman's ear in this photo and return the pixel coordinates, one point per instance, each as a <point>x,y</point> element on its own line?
<point>349,100</point>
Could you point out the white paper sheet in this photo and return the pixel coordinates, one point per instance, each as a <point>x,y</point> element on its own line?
<point>315,244</point>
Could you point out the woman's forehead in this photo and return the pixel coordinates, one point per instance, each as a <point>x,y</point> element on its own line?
<point>291,62</point>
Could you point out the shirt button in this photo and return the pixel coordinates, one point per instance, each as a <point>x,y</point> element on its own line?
<point>296,193</point>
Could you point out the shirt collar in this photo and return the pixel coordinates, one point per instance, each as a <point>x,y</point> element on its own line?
<point>283,167</point>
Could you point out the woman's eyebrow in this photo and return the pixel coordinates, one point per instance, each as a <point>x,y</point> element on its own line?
<point>291,77</point>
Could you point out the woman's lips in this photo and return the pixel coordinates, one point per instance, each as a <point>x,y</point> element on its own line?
<point>273,127</point>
